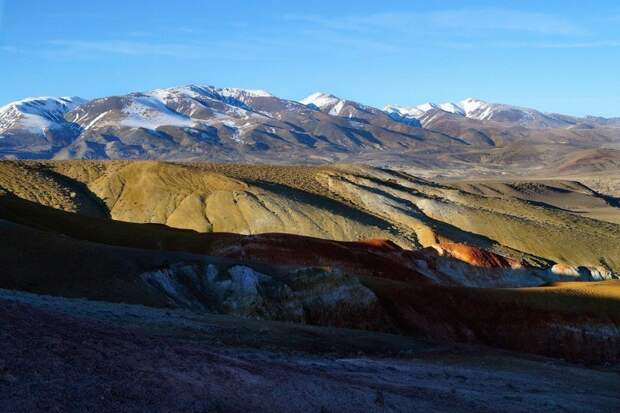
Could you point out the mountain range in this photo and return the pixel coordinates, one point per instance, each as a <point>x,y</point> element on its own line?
<point>226,124</point>
<point>407,284</point>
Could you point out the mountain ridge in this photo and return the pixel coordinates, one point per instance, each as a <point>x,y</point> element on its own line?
<point>198,122</point>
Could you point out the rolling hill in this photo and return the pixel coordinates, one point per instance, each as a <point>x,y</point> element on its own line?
<point>542,223</point>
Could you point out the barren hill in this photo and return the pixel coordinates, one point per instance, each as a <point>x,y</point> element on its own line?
<point>541,222</point>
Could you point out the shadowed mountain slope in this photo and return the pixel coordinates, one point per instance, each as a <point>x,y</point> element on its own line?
<point>372,285</point>
<point>540,222</point>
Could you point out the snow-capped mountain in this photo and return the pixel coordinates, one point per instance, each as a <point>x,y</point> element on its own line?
<point>37,126</point>
<point>37,113</point>
<point>324,102</point>
<point>210,123</point>
<point>145,124</point>
<point>477,109</point>
<point>197,122</point>
<point>186,106</point>
<point>452,108</point>
<point>335,106</point>
<point>401,113</point>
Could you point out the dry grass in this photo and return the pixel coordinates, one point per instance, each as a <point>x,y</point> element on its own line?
<point>531,221</point>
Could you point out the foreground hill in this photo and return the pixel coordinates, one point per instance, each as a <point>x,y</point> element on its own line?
<point>542,223</point>
<point>130,358</point>
<point>372,285</point>
<point>212,283</point>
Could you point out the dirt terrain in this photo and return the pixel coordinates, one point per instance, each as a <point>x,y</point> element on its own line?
<point>218,287</point>
<point>540,221</point>
<point>84,355</point>
<point>373,285</point>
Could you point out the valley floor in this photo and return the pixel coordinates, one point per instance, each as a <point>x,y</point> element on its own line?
<point>60,354</point>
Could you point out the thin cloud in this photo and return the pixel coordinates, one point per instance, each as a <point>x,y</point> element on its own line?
<point>505,20</point>
<point>337,39</point>
<point>533,45</point>
<point>378,34</point>
<point>480,20</point>
<point>226,50</point>
<point>580,45</point>
<point>130,48</point>
<point>450,29</point>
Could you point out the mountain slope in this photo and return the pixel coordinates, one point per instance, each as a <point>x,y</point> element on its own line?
<point>195,122</point>
<point>525,221</point>
<point>36,127</point>
<point>472,108</point>
<point>225,124</point>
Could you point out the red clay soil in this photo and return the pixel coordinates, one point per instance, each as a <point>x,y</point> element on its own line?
<point>379,258</point>
<point>376,257</point>
<point>476,256</point>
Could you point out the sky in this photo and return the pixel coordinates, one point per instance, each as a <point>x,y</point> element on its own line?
<point>556,56</point>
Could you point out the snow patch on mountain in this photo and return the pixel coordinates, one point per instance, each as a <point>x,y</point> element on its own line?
<point>320,100</point>
<point>37,114</point>
<point>452,108</point>
<point>470,108</point>
<point>242,93</point>
<point>476,109</point>
<point>95,120</point>
<point>337,109</point>
<point>415,112</point>
<point>149,113</point>
<point>211,92</point>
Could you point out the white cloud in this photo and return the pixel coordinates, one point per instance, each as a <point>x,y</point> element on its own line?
<point>125,47</point>
<point>380,33</point>
<point>505,20</point>
<point>468,20</point>
<point>453,29</point>
<point>59,48</point>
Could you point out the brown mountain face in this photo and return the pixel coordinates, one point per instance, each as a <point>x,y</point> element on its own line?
<point>219,124</point>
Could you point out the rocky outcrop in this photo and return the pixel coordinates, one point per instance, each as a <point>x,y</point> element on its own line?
<point>450,264</point>
<point>307,295</point>
<point>379,258</point>
<point>583,273</point>
<point>476,256</point>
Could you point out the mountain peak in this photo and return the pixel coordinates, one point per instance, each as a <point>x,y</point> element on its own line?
<point>45,102</point>
<point>36,114</point>
<point>194,90</point>
<point>476,108</point>
<point>320,100</point>
<point>236,92</point>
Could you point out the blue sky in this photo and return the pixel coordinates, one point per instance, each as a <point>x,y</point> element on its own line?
<point>554,55</point>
